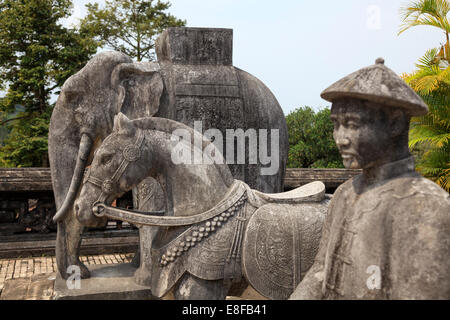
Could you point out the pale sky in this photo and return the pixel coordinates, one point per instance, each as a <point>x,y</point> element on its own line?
<point>298,48</point>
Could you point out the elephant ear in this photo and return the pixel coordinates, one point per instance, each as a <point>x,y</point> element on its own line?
<point>123,125</point>
<point>140,87</point>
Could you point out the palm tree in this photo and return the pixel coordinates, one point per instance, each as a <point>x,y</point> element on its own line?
<point>430,134</point>
<point>429,13</point>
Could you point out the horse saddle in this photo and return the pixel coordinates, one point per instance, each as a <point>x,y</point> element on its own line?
<point>280,244</point>
<point>274,237</point>
<point>311,192</point>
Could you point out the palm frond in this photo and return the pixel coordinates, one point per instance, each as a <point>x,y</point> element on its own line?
<point>428,58</point>
<point>426,12</point>
<point>435,165</point>
<point>437,140</point>
<point>429,136</point>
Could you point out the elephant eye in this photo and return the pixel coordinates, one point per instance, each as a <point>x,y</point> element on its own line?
<point>72,96</point>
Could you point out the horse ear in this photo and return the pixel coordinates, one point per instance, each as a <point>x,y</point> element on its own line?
<point>123,124</point>
<point>116,123</point>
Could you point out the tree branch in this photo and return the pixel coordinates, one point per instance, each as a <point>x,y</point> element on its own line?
<point>12,119</point>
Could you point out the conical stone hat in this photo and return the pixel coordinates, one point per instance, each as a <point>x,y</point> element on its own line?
<point>379,84</point>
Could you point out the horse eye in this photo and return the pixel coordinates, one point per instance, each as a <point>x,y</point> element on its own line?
<point>106,158</point>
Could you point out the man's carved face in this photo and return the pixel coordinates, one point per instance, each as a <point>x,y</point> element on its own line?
<point>361,132</point>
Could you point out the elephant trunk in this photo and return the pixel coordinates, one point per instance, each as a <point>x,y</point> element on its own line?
<point>83,155</point>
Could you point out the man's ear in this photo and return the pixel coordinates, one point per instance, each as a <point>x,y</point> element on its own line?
<point>123,125</point>
<point>398,122</point>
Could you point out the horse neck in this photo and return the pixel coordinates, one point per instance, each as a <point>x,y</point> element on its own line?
<point>189,188</point>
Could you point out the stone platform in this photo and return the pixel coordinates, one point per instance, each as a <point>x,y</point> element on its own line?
<point>34,279</point>
<point>36,287</point>
<point>107,282</point>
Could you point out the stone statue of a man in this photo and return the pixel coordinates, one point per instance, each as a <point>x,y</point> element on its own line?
<point>387,232</point>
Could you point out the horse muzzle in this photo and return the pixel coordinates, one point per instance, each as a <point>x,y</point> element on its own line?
<point>87,217</point>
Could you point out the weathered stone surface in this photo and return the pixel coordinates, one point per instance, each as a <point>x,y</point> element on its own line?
<point>15,289</point>
<point>36,287</point>
<point>202,85</point>
<point>25,179</point>
<point>193,80</point>
<point>280,244</point>
<point>205,46</point>
<point>197,249</point>
<point>386,235</point>
<point>40,288</point>
<point>107,282</point>
<point>332,178</point>
<point>39,179</point>
<point>379,84</point>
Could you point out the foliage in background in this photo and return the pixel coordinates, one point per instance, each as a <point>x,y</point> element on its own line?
<point>430,134</point>
<point>129,26</point>
<point>37,54</point>
<point>311,143</point>
<point>429,137</point>
<point>431,13</point>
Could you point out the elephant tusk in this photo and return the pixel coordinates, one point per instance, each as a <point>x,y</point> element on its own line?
<point>83,154</point>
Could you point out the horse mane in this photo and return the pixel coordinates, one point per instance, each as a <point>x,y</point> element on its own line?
<point>169,126</point>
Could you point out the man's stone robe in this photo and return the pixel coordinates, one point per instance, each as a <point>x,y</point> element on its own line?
<point>383,238</point>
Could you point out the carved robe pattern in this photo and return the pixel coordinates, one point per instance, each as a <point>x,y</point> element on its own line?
<point>389,241</point>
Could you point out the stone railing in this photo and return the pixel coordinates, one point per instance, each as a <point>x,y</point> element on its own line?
<point>332,178</point>
<point>38,179</point>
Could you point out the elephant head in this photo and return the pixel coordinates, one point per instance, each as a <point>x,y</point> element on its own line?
<point>84,112</point>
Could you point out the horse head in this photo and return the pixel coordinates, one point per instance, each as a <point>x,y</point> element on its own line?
<point>123,160</point>
<point>110,174</point>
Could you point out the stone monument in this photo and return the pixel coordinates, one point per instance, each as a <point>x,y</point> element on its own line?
<point>387,232</point>
<point>217,231</point>
<point>193,80</point>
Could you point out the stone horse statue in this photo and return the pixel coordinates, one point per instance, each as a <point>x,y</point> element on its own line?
<point>215,230</point>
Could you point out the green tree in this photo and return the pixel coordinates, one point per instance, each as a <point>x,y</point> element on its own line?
<point>430,134</point>
<point>311,143</point>
<point>37,54</point>
<point>129,26</point>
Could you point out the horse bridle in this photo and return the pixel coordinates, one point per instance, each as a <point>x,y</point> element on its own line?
<point>130,153</point>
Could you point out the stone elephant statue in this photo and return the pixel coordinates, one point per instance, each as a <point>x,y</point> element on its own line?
<point>193,80</point>
<point>82,118</point>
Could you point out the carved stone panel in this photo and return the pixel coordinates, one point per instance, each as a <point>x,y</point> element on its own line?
<point>280,244</point>
<point>201,84</point>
